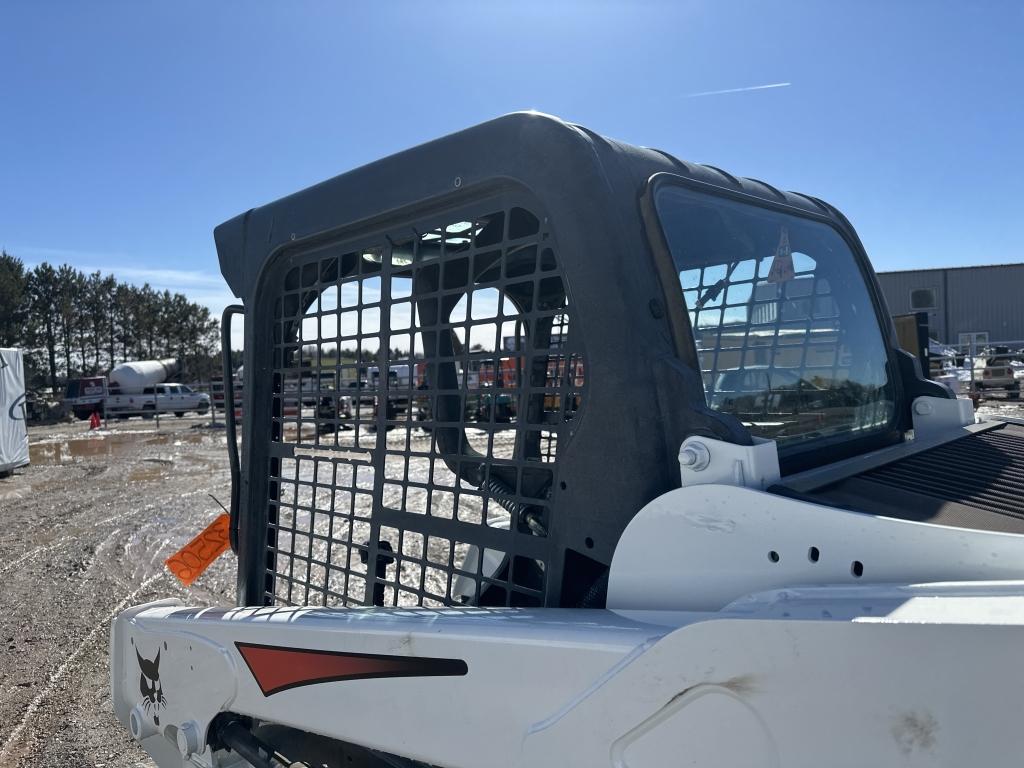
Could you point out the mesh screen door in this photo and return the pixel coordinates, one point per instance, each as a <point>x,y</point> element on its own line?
<point>424,380</point>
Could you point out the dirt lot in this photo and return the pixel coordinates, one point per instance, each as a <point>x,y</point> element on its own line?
<point>85,530</point>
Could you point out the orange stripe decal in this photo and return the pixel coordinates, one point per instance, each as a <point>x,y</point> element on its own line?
<point>277,668</point>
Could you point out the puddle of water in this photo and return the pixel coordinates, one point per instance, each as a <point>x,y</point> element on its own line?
<point>149,472</point>
<point>111,444</point>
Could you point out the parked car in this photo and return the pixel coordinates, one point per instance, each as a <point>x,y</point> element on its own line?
<point>996,373</point>
<point>35,407</point>
<point>217,392</point>
<point>501,405</point>
<point>760,390</point>
<point>361,393</point>
<point>332,412</point>
<point>161,398</point>
<point>85,395</point>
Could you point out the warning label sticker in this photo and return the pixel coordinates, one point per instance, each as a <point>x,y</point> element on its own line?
<point>782,269</point>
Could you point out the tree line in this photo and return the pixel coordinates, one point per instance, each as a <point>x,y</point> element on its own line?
<point>72,324</point>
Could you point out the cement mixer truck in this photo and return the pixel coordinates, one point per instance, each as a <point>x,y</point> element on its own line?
<point>136,388</point>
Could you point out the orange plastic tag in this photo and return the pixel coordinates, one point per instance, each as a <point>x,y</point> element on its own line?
<point>189,562</point>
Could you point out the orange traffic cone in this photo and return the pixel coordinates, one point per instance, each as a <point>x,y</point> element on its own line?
<point>94,420</point>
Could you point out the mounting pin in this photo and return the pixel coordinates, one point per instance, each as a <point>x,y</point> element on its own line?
<point>139,724</point>
<point>188,739</point>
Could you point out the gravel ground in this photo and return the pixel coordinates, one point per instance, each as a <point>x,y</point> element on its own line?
<point>86,528</point>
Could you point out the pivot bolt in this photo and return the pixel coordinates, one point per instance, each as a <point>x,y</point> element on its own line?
<point>695,456</point>
<point>923,408</point>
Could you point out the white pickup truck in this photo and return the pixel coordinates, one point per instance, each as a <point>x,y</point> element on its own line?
<point>159,398</point>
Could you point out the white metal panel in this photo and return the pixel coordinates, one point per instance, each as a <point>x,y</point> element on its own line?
<point>911,675</point>
<point>940,416</point>
<point>522,664</point>
<point>801,693</point>
<point>705,461</point>
<point>701,547</point>
<point>13,427</point>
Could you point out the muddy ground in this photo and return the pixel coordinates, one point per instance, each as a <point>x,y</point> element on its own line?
<point>84,531</point>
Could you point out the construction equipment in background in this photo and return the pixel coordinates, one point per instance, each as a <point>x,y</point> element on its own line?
<point>84,396</point>
<point>136,388</point>
<point>13,412</point>
<point>722,517</point>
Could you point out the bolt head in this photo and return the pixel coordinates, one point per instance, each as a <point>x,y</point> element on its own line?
<point>694,456</point>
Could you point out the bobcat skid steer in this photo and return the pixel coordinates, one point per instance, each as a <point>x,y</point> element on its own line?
<point>720,520</point>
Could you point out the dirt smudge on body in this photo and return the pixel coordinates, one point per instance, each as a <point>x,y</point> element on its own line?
<point>915,731</point>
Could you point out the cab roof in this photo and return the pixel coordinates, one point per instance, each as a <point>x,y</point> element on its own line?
<point>542,152</point>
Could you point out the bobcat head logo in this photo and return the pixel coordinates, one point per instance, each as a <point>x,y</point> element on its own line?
<point>149,685</point>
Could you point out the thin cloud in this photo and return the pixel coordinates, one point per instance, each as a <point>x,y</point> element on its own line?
<point>203,287</point>
<point>174,279</point>
<point>738,90</point>
<point>182,280</point>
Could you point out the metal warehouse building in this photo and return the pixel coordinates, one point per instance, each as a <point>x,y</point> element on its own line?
<point>984,303</point>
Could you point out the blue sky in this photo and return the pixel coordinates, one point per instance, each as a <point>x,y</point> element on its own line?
<point>129,130</point>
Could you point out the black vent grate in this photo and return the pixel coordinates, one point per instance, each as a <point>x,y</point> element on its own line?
<point>984,470</point>
<point>424,384</point>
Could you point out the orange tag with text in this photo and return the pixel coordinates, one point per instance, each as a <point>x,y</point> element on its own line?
<point>189,562</point>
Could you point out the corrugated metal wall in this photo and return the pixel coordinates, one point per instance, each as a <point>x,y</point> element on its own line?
<point>987,299</point>
<point>897,287</point>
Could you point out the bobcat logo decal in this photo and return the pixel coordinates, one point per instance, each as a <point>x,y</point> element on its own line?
<point>149,685</point>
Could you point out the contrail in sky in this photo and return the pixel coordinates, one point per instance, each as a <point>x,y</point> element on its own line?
<point>737,90</point>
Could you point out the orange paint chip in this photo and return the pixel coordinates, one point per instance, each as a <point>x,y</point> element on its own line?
<point>189,562</point>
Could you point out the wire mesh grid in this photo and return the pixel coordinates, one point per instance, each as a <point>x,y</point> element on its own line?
<point>424,383</point>
<point>741,320</point>
<point>773,351</point>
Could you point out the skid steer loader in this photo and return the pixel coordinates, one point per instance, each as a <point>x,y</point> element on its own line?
<point>722,520</point>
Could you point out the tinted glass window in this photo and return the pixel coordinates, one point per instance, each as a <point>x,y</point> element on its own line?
<point>922,298</point>
<point>147,391</point>
<point>786,334</point>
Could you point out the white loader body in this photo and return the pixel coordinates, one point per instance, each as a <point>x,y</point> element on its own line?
<point>883,674</point>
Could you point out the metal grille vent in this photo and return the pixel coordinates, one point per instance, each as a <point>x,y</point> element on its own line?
<point>424,384</point>
<point>985,471</point>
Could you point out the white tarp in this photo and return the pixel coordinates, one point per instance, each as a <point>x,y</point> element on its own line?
<point>13,428</point>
